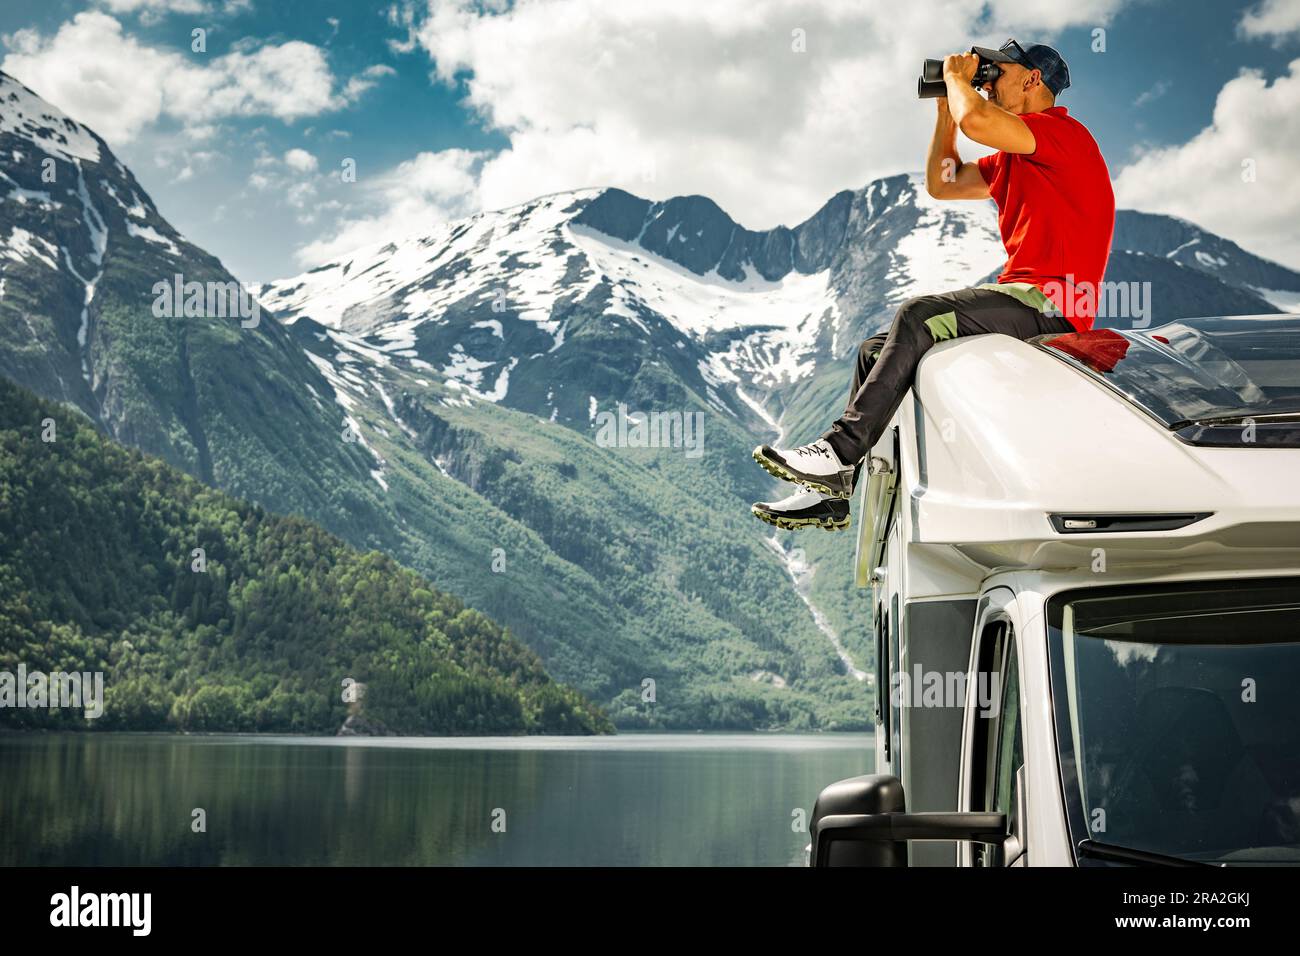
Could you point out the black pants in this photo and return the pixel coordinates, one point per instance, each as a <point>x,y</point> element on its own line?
<point>887,362</point>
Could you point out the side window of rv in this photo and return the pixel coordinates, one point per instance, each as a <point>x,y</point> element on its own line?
<point>991,650</point>
<point>999,744</point>
<point>1011,753</point>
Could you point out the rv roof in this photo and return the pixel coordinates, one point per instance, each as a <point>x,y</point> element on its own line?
<point>1002,435</point>
<point>1204,379</point>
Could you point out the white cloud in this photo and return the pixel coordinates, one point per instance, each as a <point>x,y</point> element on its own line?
<point>1255,123</point>
<point>295,179</point>
<point>365,80</point>
<point>403,16</point>
<point>92,72</point>
<point>181,164</point>
<point>415,196</point>
<point>152,12</point>
<point>1160,88</point>
<point>300,161</point>
<point>683,97</point>
<point>118,85</point>
<point>1275,18</point>
<point>198,160</point>
<point>154,6</point>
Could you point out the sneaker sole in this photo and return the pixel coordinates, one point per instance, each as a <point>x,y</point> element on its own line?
<point>777,470</point>
<point>798,524</point>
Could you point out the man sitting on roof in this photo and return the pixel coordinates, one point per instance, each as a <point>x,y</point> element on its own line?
<point>1056,214</point>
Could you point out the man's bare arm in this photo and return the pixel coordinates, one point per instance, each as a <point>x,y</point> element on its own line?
<point>946,176</point>
<point>984,122</point>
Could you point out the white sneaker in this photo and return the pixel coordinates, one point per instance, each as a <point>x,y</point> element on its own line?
<point>815,465</point>
<point>805,509</point>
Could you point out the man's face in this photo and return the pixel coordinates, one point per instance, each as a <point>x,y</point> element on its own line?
<point>1008,91</point>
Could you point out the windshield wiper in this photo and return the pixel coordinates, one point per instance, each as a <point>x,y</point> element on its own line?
<point>1135,857</point>
<point>1236,419</point>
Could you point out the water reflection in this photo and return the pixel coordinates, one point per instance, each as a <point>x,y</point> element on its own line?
<point>644,799</point>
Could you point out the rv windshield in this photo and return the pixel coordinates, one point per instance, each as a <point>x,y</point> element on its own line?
<point>1178,717</point>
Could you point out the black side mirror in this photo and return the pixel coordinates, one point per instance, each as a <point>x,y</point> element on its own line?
<point>862,821</point>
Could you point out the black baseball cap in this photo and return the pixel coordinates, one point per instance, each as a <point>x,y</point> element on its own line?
<point>1038,56</point>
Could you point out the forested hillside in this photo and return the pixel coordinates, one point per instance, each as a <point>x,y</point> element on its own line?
<point>99,571</point>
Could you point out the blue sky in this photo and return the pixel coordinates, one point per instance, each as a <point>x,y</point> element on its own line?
<point>449,107</point>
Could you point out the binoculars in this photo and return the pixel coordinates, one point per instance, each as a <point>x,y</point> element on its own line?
<point>931,86</point>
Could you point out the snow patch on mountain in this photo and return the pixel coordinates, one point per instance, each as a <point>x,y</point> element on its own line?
<point>785,315</point>
<point>335,380</point>
<point>21,194</point>
<point>149,234</point>
<point>344,379</point>
<point>1287,300</point>
<point>392,410</point>
<point>135,209</point>
<point>25,113</point>
<point>352,349</point>
<point>23,245</point>
<point>954,245</point>
<point>493,324</point>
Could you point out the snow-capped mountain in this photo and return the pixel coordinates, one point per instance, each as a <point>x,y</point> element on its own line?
<point>63,197</point>
<point>495,299</point>
<point>498,304</point>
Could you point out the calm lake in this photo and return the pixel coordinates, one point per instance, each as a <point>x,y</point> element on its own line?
<point>632,800</point>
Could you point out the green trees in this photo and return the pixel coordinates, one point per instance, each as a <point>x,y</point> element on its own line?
<point>209,614</point>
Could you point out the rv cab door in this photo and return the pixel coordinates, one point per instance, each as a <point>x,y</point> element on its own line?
<point>993,772</point>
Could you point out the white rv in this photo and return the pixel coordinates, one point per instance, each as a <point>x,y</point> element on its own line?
<point>1083,554</point>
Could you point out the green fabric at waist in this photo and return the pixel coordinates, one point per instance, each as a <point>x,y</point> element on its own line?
<point>1026,292</point>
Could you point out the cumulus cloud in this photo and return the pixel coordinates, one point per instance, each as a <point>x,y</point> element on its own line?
<point>95,72</point>
<point>300,161</point>
<point>1272,18</point>
<point>767,106</point>
<point>418,194</point>
<point>1236,176</point>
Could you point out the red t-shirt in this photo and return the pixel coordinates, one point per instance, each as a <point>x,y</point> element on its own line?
<point>1056,212</point>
